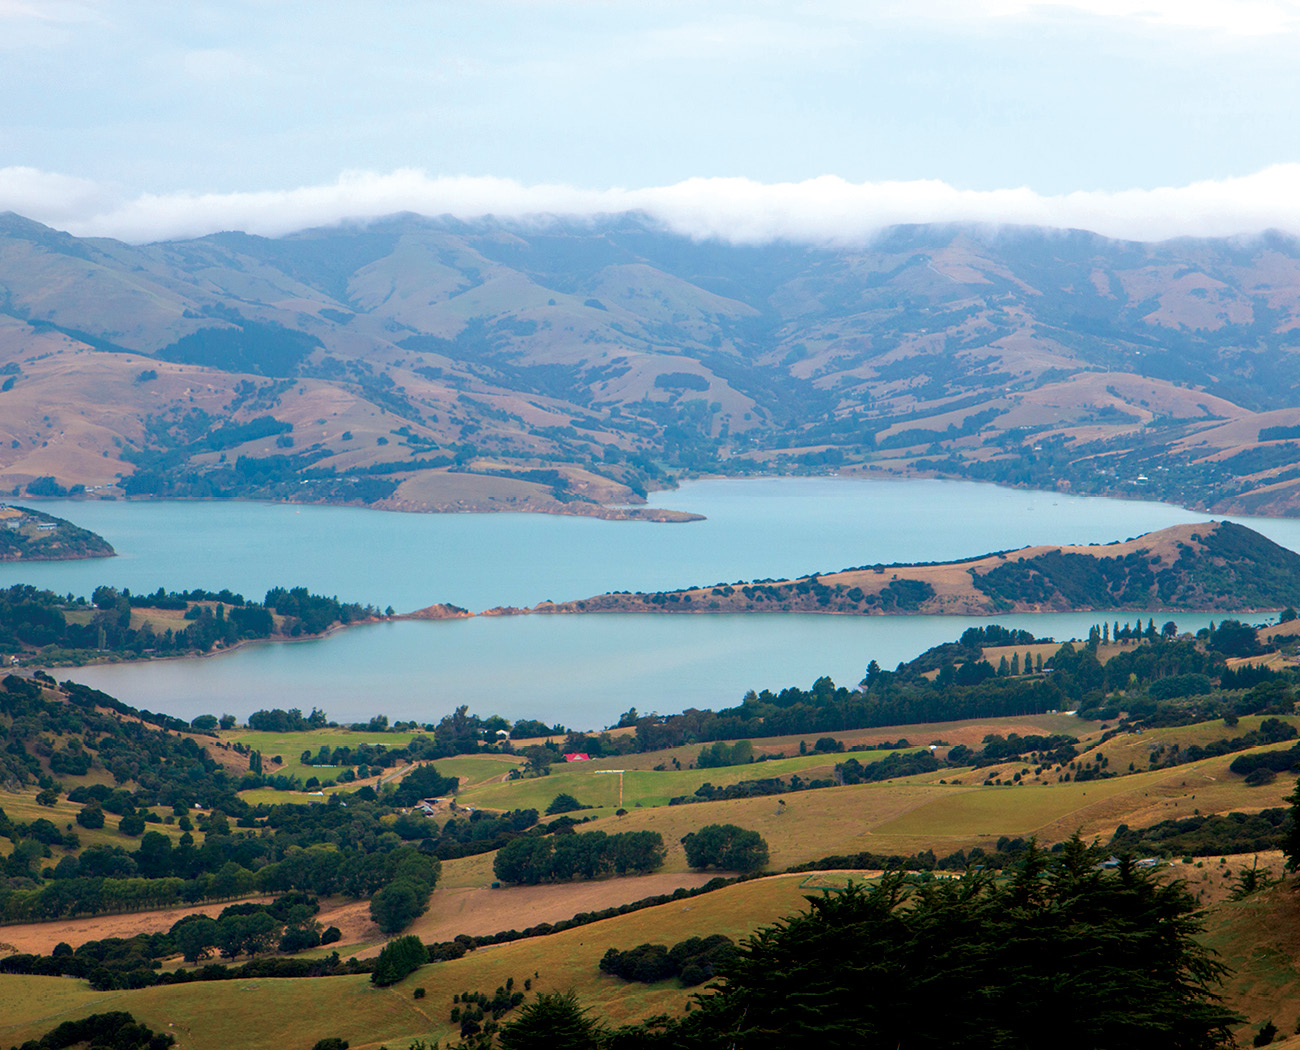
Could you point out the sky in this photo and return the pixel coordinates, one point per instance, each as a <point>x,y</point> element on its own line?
<point>815,120</point>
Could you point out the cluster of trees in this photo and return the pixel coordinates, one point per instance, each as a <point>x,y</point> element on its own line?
<point>308,614</point>
<point>727,847</point>
<point>899,764</point>
<point>1271,731</point>
<point>692,961</point>
<point>1046,748</point>
<point>578,855</point>
<point>1263,767</point>
<point>1205,834</point>
<point>479,1015</point>
<point>108,1029</point>
<point>32,618</point>
<point>748,789</point>
<point>721,754</point>
<point>277,720</point>
<point>288,924</point>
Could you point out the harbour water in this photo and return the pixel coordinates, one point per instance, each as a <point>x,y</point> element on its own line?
<point>584,670</point>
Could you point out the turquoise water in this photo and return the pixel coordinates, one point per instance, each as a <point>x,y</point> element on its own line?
<point>583,670</point>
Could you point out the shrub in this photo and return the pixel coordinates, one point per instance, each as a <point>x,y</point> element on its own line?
<point>399,958</point>
<point>131,825</point>
<point>562,804</point>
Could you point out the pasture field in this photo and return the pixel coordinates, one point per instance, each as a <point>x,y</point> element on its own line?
<point>290,746</point>
<point>590,784</point>
<point>969,732</point>
<point>1260,937</point>
<point>298,1012</point>
<point>476,770</point>
<point>22,806</point>
<point>1136,748</point>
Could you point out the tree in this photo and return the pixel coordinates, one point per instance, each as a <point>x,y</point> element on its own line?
<point>562,804</point>
<point>553,1020</point>
<point>90,816</point>
<point>397,905</point>
<point>196,938</point>
<point>725,847</point>
<point>526,859</point>
<point>1006,959</point>
<point>399,958</point>
<point>131,825</point>
<point>424,782</point>
<point>1291,840</point>
<point>747,852</point>
<point>537,760</point>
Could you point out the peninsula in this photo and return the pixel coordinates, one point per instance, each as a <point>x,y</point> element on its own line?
<point>33,536</point>
<point>1205,566</point>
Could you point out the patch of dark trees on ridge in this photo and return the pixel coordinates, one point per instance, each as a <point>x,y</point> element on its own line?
<point>32,618</point>
<point>1235,566</point>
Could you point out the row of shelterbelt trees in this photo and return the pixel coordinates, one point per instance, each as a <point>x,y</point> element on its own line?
<point>32,618</point>
<point>953,681</point>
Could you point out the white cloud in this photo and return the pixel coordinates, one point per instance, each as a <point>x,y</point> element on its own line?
<point>822,210</point>
<point>1238,17</point>
<point>1249,18</point>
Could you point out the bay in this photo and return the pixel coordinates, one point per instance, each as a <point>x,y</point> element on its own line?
<point>583,670</point>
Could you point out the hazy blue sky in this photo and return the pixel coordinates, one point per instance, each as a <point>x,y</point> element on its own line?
<point>115,104</point>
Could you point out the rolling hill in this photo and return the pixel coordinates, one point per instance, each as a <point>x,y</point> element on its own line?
<point>1212,566</point>
<point>429,363</point>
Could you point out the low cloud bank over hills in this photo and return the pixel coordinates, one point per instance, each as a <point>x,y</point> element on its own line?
<point>824,210</point>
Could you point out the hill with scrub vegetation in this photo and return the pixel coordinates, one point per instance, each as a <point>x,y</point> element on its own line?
<point>1212,566</point>
<point>427,363</point>
<point>166,870</point>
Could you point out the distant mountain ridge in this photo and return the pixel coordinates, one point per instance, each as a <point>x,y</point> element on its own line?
<point>1211,566</point>
<point>434,363</point>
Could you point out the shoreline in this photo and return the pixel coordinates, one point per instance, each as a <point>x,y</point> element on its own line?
<point>507,611</point>
<point>624,512</point>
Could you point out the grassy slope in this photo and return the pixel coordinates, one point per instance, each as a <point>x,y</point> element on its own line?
<point>298,1012</point>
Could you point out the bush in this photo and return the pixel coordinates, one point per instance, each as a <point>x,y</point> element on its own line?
<point>131,825</point>
<point>399,958</point>
<point>563,803</point>
<point>91,816</point>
